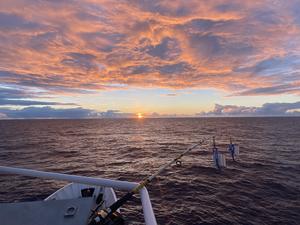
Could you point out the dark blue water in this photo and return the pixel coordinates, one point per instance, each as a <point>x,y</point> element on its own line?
<point>263,187</point>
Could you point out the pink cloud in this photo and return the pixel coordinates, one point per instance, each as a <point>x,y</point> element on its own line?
<point>96,45</point>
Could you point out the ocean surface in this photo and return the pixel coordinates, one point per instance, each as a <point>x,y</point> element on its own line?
<point>262,187</point>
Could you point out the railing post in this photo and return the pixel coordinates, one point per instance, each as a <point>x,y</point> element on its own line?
<point>147,208</point>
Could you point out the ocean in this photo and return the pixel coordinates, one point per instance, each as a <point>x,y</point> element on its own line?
<point>262,187</point>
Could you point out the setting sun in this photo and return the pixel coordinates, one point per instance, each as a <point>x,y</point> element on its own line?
<point>140,116</point>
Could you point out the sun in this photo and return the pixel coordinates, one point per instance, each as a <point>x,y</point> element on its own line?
<point>140,116</point>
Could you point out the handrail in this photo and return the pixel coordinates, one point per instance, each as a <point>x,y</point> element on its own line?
<point>116,184</point>
<point>122,185</point>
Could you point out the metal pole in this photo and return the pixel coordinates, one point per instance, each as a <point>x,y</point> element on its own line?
<point>122,185</point>
<point>147,208</point>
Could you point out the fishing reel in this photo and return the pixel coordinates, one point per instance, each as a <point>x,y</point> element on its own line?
<point>101,217</point>
<point>104,216</point>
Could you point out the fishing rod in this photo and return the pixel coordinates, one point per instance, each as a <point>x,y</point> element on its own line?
<point>102,217</point>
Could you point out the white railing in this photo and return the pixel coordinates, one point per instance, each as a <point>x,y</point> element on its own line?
<point>116,184</point>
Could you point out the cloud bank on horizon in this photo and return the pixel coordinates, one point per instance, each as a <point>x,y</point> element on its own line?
<point>48,112</point>
<point>268,109</point>
<point>57,48</point>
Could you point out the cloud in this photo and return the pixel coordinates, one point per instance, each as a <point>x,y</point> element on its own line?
<point>279,109</point>
<point>13,93</point>
<point>18,102</point>
<point>170,115</point>
<point>167,49</point>
<point>12,22</point>
<point>80,60</point>
<point>268,109</point>
<point>170,95</point>
<point>287,66</point>
<point>115,114</point>
<point>296,12</point>
<point>19,97</point>
<point>45,112</point>
<point>173,68</point>
<point>245,47</point>
<point>48,112</point>
<point>273,90</point>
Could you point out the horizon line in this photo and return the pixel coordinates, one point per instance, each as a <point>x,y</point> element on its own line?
<point>144,118</point>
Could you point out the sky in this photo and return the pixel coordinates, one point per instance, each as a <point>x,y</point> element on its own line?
<point>159,58</point>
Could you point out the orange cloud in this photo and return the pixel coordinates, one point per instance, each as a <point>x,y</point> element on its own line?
<point>242,47</point>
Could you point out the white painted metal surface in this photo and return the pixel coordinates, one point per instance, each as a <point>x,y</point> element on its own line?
<point>121,185</point>
<point>73,190</point>
<point>147,207</point>
<point>59,212</point>
<point>116,184</point>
